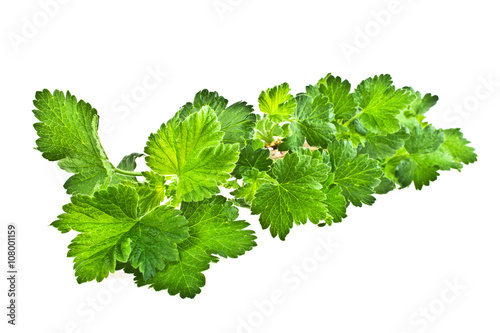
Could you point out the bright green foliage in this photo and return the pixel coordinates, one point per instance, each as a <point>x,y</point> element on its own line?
<point>312,120</point>
<point>357,175</point>
<point>110,230</point>
<point>192,150</point>
<point>424,158</point>
<point>456,146</point>
<point>152,192</point>
<point>68,133</point>
<point>237,121</point>
<point>420,105</point>
<point>266,130</point>
<point>339,94</point>
<point>380,104</point>
<point>253,179</point>
<point>213,233</point>
<point>385,146</point>
<point>295,196</point>
<point>277,103</point>
<point>128,164</point>
<point>252,158</point>
<point>335,203</point>
<point>307,157</point>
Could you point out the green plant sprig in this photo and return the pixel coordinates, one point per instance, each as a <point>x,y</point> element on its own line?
<point>303,158</point>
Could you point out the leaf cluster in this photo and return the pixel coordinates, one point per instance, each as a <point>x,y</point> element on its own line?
<point>303,158</point>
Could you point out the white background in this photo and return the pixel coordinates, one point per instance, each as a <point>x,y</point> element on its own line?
<point>393,260</point>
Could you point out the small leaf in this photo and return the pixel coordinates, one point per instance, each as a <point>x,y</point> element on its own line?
<point>277,102</point>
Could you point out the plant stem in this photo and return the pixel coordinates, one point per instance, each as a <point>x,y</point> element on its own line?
<point>352,119</point>
<point>128,173</point>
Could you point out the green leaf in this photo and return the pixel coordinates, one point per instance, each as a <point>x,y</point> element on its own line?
<point>423,140</point>
<point>336,204</point>
<point>420,105</point>
<point>267,130</point>
<point>201,99</point>
<point>350,132</point>
<point>252,180</point>
<point>339,94</point>
<point>385,146</point>
<point>232,184</point>
<point>418,169</point>
<point>391,163</point>
<point>295,196</point>
<point>128,164</point>
<point>386,185</point>
<point>357,175</point>
<point>381,103</point>
<point>277,102</point>
<point>457,146</point>
<point>312,120</point>
<point>110,230</point>
<point>319,154</point>
<point>192,151</point>
<point>153,192</point>
<point>252,158</point>
<point>255,144</point>
<point>424,159</point>
<point>237,121</point>
<point>68,133</point>
<point>213,232</point>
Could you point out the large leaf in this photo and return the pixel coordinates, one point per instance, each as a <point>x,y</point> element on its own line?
<point>68,133</point>
<point>111,229</point>
<point>295,196</point>
<point>213,233</point>
<point>192,151</point>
